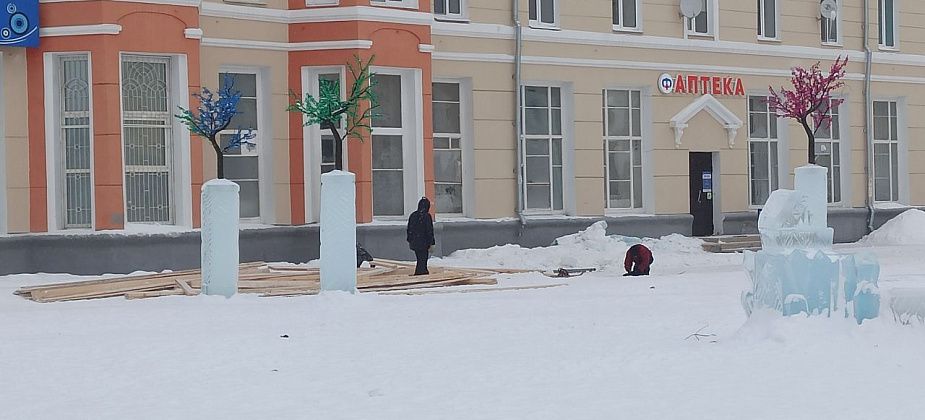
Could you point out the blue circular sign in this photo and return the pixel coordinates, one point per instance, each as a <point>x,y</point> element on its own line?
<point>19,23</point>
<point>666,83</point>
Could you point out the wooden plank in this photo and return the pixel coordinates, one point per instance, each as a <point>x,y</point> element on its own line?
<point>185,286</point>
<point>479,290</point>
<point>450,282</point>
<point>263,284</point>
<point>245,266</point>
<point>154,293</point>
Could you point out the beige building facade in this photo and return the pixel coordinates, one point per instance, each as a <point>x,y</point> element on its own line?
<point>628,148</point>
<point>565,109</point>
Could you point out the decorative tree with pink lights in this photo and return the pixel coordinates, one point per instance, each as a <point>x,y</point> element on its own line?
<point>810,99</point>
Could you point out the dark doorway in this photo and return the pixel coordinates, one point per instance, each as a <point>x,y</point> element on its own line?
<point>701,187</point>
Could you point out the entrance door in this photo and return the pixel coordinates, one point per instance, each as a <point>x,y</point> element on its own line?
<point>701,188</point>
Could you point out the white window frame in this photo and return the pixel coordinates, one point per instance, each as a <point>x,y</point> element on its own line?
<point>54,154</point>
<point>619,26</point>
<point>178,79</point>
<point>412,132</point>
<point>462,16</point>
<point>772,119</point>
<point>712,11</point>
<point>642,153</point>
<point>568,152</point>
<point>538,22</point>
<point>466,143</point>
<point>311,141</point>
<point>404,4</point>
<point>762,22</point>
<point>263,142</point>
<point>902,170</point>
<point>881,14</point>
<point>842,152</point>
<point>839,27</point>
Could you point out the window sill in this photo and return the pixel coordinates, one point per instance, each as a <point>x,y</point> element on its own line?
<point>627,30</point>
<point>887,48</point>
<point>247,2</point>
<point>890,205</point>
<point>701,36</point>
<point>635,212</point>
<point>412,6</point>
<point>316,3</point>
<point>536,25</point>
<point>770,40</point>
<point>833,44</point>
<point>451,19</point>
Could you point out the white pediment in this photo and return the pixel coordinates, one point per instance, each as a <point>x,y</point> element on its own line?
<point>720,113</point>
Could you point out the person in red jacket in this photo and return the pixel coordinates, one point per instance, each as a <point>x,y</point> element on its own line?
<point>638,260</point>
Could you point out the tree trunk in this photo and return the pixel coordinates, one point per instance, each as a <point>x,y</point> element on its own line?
<point>338,146</point>
<point>219,158</point>
<point>810,141</point>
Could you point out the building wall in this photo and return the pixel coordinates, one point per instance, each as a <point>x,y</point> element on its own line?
<point>589,55</point>
<point>583,56</point>
<point>14,136</point>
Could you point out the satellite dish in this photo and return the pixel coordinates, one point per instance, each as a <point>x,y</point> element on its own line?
<point>691,8</point>
<point>828,9</point>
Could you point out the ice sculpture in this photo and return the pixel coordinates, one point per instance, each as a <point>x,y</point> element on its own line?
<point>338,232</point>
<point>796,270</point>
<point>220,215</point>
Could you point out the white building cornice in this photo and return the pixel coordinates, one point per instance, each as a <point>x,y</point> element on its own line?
<point>75,30</point>
<point>362,44</point>
<point>320,15</point>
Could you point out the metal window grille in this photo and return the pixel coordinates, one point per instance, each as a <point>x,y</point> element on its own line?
<point>762,148</point>
<point>543,148</point>
<point>75,137</point>
<point>623,148</point>
<point>147,138</point>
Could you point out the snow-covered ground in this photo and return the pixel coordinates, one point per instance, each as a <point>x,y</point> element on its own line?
<point>600,347</point>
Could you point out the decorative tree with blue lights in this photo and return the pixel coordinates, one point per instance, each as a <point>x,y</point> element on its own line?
<point>328,108</point>
<point>213,116</point>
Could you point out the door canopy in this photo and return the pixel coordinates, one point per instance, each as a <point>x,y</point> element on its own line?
<point>723,115</point>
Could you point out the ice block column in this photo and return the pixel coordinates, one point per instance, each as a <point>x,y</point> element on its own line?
<point>812,181</point>
<point>220,214</point>
<point>338,232</point>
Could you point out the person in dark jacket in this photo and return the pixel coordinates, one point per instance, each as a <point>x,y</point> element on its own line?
<point>638,260</point>
<point>421,235</point>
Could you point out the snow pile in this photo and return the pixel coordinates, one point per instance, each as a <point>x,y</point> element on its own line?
<point>592,248</point>
<point>906,229</point>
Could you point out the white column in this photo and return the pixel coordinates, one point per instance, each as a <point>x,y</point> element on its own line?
<point>220,252</point>
<point>338,232</point>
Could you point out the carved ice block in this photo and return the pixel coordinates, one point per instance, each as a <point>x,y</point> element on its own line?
<point>338,232</point>
<point>812,181</point>
<point>220,252</point>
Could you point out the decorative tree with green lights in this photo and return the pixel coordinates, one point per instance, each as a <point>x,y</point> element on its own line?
<point>213,116</point>
<point>328,109</point>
